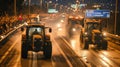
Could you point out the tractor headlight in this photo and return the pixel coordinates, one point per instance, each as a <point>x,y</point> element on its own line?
<point>104,34</point>
<point>86,33</point>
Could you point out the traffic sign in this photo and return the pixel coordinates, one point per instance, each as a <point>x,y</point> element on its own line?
<point>97,14</point>
<point>52,11</point>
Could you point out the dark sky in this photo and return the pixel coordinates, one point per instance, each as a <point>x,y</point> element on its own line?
<point>86,1</point>
<point>106,2</point>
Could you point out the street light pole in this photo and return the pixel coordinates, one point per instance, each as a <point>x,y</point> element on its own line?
<point>41,2</point>
<point>29,6</point>
<point>15,7</point>
<point>116,8</point>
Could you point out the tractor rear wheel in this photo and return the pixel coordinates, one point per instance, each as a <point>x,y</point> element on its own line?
<point>48,50</point>
<point>104,45</point>
<point>24,51</point>
<point>86,44</point>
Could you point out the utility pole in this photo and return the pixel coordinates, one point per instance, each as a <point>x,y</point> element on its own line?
<point>15,7</point>
<point>41,2</point>
<point>29,6</point>
<point>116,11</point>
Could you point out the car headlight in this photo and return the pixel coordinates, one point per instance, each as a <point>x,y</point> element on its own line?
<point>73,29</point>
<point>58,25</point>
<point>62,21</point>
<point>59,29</point>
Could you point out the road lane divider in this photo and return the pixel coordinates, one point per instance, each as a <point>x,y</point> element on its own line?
<point>69,63</point>
<point>83,59</point>
<point>101,58</point>
<point>34,62</point>
<point>30,58</point>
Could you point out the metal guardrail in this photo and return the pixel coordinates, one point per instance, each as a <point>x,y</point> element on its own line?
<point>6,35</point>
<point>114,38</point>
<point>3,36</point>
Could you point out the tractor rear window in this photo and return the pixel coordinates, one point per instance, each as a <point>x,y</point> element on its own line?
<point>35,30</point>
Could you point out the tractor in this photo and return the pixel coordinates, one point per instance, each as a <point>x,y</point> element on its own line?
<point>92,34</point>
<point>74,25</point>
<point>34,38</point>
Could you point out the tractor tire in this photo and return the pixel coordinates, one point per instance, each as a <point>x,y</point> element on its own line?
<point>24,51</point>
<point>86,44</point>
<point>98,46</point>
<point>48,50</point>
<point>104,45</point>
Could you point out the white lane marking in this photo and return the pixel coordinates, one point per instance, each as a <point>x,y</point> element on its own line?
<point>30,60</point>
<point>70,65</point>
<point>100,57</point>
<point>7,52</point>
<point>18,63</point>
<point>84,60</point>
<point>34,63</point>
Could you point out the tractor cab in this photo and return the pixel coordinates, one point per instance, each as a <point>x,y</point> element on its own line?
<point>91,26</point>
